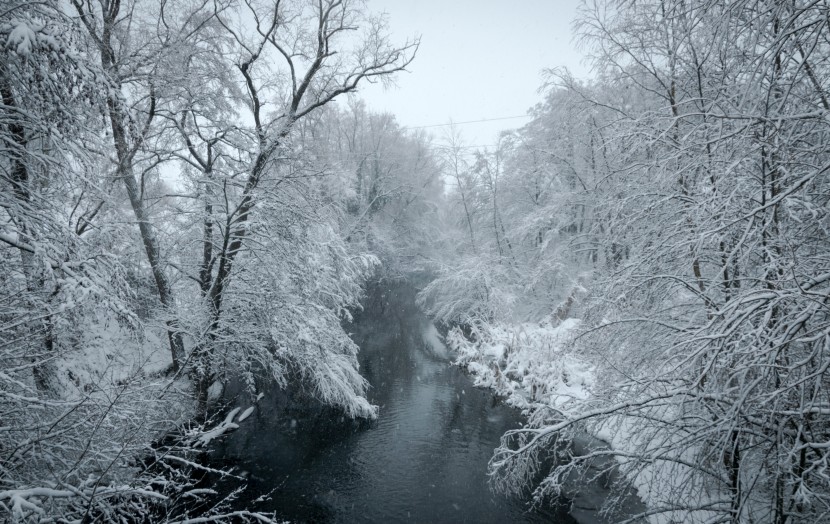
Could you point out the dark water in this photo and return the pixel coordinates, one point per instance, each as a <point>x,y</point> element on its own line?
<point>423,460</point>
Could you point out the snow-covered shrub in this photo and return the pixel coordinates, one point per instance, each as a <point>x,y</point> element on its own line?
<point>472,289</point>
<point>284,311</point>
<point>526,363</point>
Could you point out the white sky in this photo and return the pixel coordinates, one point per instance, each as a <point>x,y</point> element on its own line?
<point>479,59</point>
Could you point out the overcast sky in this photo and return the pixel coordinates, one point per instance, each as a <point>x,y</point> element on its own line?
<point>479,59</point>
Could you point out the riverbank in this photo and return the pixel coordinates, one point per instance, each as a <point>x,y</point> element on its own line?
<point>527,364</point>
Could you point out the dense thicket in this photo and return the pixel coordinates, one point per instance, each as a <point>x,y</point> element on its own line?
<point>685,192</point>
<point>170,217</point>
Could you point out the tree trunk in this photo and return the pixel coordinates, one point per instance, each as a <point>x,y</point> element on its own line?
<point>125,153</point>
<point>148,234</point>
<point>35,281</point>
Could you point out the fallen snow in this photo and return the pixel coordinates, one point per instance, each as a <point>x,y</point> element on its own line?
<point>525,362</point>
<point>22,39</point>
<point>204,438</point>
<point>245,414</point>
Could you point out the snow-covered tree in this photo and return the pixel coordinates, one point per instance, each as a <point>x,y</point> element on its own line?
<point>707,321</point>
<point>240,258</point>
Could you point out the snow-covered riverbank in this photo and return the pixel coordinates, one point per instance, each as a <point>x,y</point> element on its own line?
<point>530,366</point>
<point>525,363</point>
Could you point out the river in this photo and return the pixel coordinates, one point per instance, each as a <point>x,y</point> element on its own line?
<point>423,460</point>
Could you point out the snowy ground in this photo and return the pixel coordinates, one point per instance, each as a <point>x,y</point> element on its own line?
<point>110,353</point>
<point>525,363</point>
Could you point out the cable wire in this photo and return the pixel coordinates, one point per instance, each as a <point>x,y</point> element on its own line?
<point>469,122</point>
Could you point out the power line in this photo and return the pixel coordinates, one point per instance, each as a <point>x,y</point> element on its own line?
<point>469,122</point>
<point>465,146</point>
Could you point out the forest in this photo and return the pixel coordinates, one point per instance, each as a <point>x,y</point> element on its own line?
<point>193,194</point>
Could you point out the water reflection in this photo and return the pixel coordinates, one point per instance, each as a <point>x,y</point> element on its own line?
<point>423,460</point>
